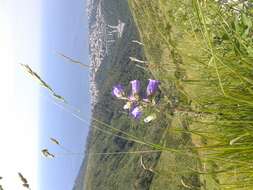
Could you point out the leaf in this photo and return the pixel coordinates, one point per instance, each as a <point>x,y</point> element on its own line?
<point>237,138</point>
<point>246,21</point>
<point>185,185</point>
<point>225,36</point>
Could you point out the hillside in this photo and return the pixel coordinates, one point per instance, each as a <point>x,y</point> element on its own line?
<point>118,132</point>
<point>115,67</point>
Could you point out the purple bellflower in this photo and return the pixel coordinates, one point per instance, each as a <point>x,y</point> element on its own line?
<point>135,103</point>
<point>136,86</point>
<point>152,87</point>
<point>136,112</point>
<point>118,91</point>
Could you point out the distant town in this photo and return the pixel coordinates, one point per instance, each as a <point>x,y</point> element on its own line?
<point>101,36</point>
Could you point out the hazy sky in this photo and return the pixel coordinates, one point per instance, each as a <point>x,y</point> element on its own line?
<point>31,31</point>
<point>20,42</point>
<point>65,30</point>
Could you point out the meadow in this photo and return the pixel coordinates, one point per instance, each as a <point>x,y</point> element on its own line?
<point>203,49</point>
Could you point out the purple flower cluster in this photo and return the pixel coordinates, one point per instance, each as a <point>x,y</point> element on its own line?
<point>134,100</point>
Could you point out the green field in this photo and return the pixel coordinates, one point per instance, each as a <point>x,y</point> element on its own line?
<point>205,51</point>
<point>202,54</point>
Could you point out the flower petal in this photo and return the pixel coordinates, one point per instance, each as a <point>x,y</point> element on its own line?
<point>118,91</point>
<point>136,86</point>
<point>137,112</point>
<point>152,87</point>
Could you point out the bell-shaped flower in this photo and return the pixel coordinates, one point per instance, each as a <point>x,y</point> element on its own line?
<point>136,112</point>
<point>118,91</point>
<point>136,86</point>
<point>152,87</point>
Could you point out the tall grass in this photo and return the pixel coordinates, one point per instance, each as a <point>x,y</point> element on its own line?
<point>209,48</point>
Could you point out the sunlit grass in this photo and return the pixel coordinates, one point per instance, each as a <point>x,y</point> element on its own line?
<point>208,48</point>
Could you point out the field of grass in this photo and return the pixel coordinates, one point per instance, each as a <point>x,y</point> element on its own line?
<point>202,53</point>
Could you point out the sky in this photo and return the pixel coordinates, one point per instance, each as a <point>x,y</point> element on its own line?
<point>64,30</point>
<point>29,116</point>
<point>19,98</point>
